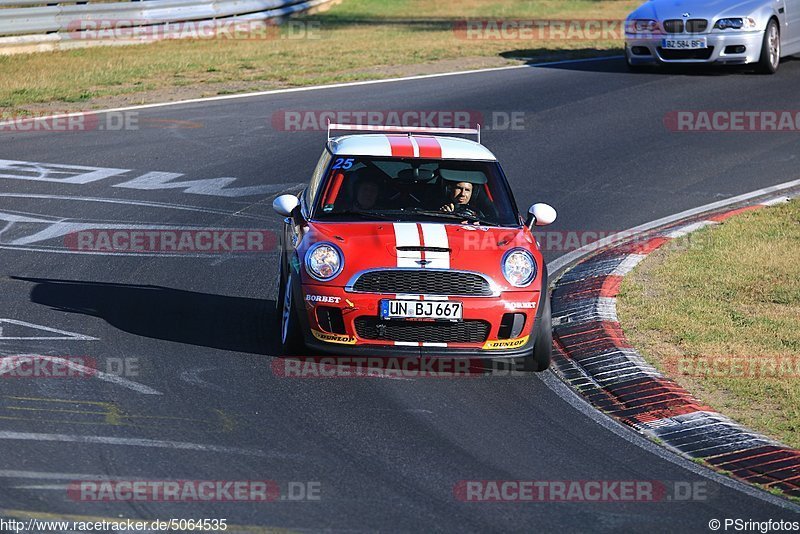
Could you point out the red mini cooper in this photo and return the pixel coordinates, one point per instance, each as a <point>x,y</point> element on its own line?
<point>408,242</point>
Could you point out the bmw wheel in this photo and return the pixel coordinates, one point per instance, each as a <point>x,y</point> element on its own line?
<point>770,49</point>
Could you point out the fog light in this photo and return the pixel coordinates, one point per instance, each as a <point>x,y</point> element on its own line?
<point>735,49</point>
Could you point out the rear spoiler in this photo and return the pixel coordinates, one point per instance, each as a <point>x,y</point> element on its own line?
<point>406,130</point>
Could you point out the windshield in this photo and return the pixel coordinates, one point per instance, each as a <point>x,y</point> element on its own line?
<point>367,188</point>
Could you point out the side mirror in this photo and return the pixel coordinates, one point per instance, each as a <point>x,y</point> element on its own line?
<point>540,215</point>
<point>284,205</point>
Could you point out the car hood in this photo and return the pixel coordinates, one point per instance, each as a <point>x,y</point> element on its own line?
<point>368,245</point>
<point>697,9</point>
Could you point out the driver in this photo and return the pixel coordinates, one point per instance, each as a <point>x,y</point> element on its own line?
<point>459,194</point>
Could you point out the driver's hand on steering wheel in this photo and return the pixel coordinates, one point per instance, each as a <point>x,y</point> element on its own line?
<point>449,208</point>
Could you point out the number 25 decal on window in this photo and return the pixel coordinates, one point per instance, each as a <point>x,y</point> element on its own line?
<point>342,163</point>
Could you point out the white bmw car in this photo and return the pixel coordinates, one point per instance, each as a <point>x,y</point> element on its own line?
<point>758,32</point>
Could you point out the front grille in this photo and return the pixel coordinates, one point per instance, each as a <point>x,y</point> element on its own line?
<point>691,26</point>
<point>472,331</point>
<point>673,26</point>
<point>423,282</point>
<point>696,25</point>
<point>700,53</point>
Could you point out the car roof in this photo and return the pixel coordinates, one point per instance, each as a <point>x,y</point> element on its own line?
<point>405,146</point>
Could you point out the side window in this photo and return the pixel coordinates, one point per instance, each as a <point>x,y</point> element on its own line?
<point>316,178</point>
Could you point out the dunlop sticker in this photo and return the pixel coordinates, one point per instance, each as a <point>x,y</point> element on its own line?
<point>500,344</point>
<point>334,338</point>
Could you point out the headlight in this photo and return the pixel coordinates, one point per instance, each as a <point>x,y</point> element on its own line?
<point>519,268</point>
<point>736,23</point>
<point>642,26</point>
<point>324,261</point>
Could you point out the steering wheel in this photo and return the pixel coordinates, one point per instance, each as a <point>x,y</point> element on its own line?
<point>462,209</point>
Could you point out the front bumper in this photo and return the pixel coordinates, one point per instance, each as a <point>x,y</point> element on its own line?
<point>318,338</point>
<point>718,49</point>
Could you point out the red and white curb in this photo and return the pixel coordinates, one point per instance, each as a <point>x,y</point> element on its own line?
<point>595,358</point>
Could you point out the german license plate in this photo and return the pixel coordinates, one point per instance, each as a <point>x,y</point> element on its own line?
<point>684,44</point>
<point>439,310</point>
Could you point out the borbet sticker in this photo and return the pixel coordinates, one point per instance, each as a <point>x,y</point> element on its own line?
<point>323,298</point>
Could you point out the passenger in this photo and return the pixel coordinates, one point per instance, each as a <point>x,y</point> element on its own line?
<point>367,191</point>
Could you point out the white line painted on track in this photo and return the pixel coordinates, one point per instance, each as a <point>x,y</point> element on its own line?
<point>582,405</point>
<point>330,86</point>
<point>60,226</point>
<point>21,359</point>
<point>136,442</point>
<point>572,397</point>
<point>42,475</point>
<point>628,264</point>
<point>32,171</point>
<point>774,201</point>
<point>562,261</point>
<point>43,487</point>
<point>63,334</point>
<point>688,229</point>
<point>144,203</point>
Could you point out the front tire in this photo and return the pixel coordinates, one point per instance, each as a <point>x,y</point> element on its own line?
<point>770,59</point>
<point>291,336</point>
<point>543,345</point>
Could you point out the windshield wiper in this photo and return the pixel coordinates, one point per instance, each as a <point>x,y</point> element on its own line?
<point>369,215</point>
<point>452,215</point>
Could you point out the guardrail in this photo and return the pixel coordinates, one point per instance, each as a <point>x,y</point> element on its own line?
<point>54,25</point>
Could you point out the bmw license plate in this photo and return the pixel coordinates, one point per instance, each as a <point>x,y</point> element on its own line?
<point>684,44</point>
<point>439,310</point>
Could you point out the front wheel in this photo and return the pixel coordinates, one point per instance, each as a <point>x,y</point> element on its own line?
<point>770,59</point>
<point>291,336</point>
<point>543,345</point>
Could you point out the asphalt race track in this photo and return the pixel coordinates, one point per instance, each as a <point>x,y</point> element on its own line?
<point>203,402</point>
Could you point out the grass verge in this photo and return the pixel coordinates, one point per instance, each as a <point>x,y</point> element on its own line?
<point>719,311</point>
<point>354,40</point>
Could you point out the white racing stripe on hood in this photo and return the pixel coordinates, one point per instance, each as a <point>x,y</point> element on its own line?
<point>407,235</point>
<point>435,235</point>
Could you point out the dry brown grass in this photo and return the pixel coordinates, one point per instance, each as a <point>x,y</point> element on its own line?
<point>356,40</point>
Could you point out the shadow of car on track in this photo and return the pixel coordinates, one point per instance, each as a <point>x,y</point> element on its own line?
<point>537,57</point>
<point>217,321</point>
